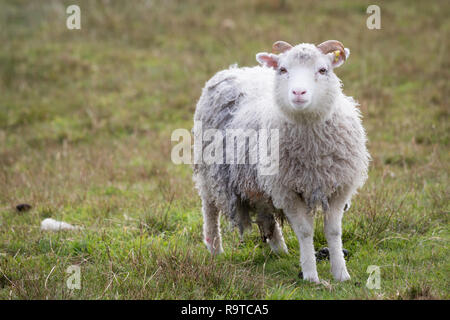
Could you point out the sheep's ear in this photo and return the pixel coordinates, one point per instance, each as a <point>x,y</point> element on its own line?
<point>337,58</point>
<point>267,59</point>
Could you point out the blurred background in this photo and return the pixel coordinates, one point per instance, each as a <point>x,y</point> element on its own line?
<point>85,123</point>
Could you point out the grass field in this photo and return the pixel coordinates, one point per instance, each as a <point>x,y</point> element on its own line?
<point>85,123</point>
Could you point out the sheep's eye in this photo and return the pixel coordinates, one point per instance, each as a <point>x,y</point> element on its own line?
<point>322,70</point>
<point>283,70</point>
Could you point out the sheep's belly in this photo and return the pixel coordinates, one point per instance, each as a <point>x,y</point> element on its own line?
<point>317,180</point>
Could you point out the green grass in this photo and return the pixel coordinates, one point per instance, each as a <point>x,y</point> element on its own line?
<point>85,124</point>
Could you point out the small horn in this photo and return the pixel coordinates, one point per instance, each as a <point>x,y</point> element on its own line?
<point>331,46</point>
<point>281,46</point>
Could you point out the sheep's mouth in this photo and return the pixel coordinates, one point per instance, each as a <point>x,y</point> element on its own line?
<point>299,103</point>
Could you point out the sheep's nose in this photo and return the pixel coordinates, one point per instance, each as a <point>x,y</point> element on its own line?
<point>299,92</point>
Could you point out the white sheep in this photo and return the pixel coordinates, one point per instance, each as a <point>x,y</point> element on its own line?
<point>323,158</point>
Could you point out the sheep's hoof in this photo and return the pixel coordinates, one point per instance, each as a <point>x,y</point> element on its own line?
<point>342,276</point>
<point>215,251</point>
<point>278,247</point>
<point>311,277</point>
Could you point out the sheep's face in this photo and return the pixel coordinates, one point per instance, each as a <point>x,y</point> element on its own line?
<point>304,78</point>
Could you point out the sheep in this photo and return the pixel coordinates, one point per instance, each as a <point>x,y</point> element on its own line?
<point>323,159</point>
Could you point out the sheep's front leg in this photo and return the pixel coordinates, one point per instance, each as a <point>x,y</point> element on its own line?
<point>302,222</point>
<point>211,228</point>
<point>333,233</point>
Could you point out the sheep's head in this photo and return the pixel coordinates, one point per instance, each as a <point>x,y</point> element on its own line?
<point>305,81</point>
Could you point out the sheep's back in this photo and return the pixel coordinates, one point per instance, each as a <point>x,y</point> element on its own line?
<point>230,100</point>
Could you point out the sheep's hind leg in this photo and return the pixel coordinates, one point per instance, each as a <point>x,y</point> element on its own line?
<point>276,242</point>
<point>211,228</point>
<point>302,222</point>
<point>271,232</point>
<point>242,218</point>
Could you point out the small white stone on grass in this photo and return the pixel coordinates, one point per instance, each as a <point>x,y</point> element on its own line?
<point>54,225</point>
